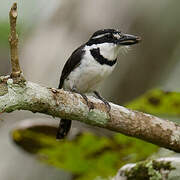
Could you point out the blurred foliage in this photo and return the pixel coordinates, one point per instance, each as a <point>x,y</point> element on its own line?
<point>158,102</point>
<point>87,156</point>
<point>4,45</point>
<point>4,33</point>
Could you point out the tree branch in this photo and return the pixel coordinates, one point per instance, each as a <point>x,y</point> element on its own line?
<point>68,105</point>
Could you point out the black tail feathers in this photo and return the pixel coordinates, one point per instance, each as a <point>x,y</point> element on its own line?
<point>63,129</point>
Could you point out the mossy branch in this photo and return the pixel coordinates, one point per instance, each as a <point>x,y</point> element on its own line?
<point>157,169</point>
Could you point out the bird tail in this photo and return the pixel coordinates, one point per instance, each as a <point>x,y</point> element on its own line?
<point>63,129</point>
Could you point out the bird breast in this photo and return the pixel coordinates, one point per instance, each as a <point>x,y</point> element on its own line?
<point>87,76</point>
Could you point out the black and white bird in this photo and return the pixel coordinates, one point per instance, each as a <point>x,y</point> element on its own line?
<point>90,64</point>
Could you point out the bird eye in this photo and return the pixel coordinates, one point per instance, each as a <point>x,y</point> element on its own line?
<point>117,35</point>
<point>110,36</point>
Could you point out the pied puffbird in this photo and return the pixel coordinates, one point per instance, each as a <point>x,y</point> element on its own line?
<point>90,64</point>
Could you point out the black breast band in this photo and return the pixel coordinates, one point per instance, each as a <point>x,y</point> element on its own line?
<point>100,59</point>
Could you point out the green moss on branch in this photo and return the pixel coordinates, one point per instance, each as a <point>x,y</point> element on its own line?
<point>149,170</point>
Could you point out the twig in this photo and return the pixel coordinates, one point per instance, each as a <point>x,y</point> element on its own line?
<point>13,41</point>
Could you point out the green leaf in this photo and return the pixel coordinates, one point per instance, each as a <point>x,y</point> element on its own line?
<point>157,102</point>
<point>87,156</point>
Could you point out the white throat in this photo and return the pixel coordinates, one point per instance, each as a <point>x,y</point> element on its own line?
<point>109,51</point>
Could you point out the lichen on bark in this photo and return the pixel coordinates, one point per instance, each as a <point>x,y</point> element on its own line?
<point>148,170</point>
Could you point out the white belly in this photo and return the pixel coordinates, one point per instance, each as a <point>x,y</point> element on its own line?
<point>86,77</point>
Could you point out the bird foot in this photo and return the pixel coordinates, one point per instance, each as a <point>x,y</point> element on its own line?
<point>88,102</point>
<point>90,105</point>
<point>108,106</point>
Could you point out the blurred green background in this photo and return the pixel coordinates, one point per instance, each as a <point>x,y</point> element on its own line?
<point>48,32</point>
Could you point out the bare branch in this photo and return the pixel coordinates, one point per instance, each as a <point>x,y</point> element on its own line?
<point>63,104</point>
<point>13,41</point>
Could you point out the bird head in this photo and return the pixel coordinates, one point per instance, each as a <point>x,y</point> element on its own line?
<point>110,41</point>
<point>113,36</point>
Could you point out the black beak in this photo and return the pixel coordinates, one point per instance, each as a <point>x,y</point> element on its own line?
<point>128,39</point>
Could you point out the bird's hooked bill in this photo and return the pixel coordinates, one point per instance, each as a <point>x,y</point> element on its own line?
<point>128,39</point>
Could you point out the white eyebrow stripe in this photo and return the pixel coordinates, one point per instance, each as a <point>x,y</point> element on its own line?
<point>99,36</point>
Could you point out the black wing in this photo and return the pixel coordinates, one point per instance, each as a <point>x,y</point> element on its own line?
<point>71,64</point>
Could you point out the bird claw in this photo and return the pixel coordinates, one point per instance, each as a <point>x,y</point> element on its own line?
<point>108,106</point>
<point>90,105</point>
<point>106,103</point>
